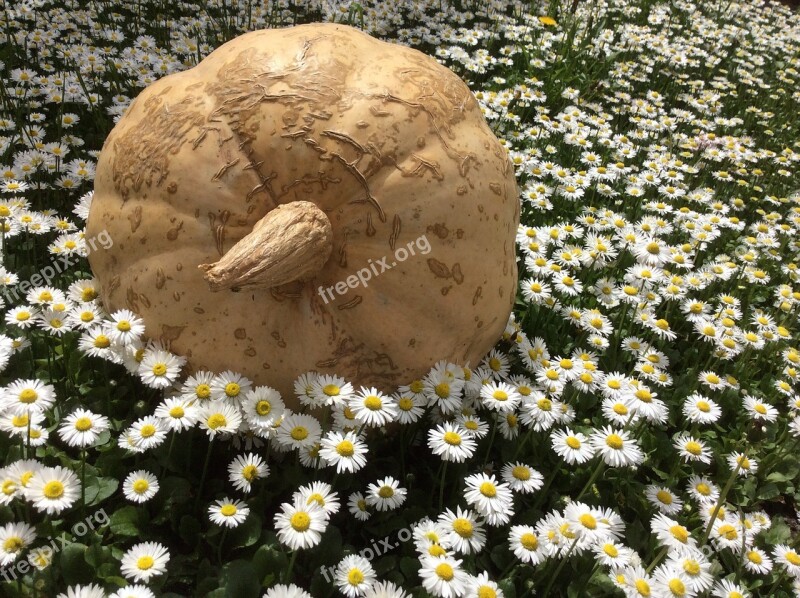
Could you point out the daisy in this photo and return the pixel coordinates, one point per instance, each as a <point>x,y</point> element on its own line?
<point>610,553</point>
<point>443,577</point>
<point>663,499</point>
<point>385,589</point>
<point>41,558</point>
<point>329,391</point>
<point>692,449</point>
<point>701,410</point>
<point>452,442</point>
<point>229,386</point>
<point>23,396</point>
<point>703,490</point>
<point>443,391</point>
<point>134,591</point>
<point>744,465</point>
<point>354,575</point>
<point>53,489</point>
<point>286,591</point>
<point>90,591</point>
<point>148,432</point>
<point>262,407</point>
<point>525,544</point>
<point>82,427</point>
<point>671,533</point>
<point>757,561</point>
<point>500,396</point>
<point>124,327</point>
<point>246,469</point>
<point>729,589</point>
<point>140,486</point>
<point>410,406</point>
<point>573,447</point>
<point>481,586</point>
<point>788,558</point>
<point>493,500</point>
<point>300,525</point>
<point>218,417</point>
<point>14,538</point>
<point>321,494</point>
<point>759,410</point>
<point>587,522</point>
<point>464,532</point>
<point>616,447</point>
<point>521,478</point>
<point>671,582</point>
<point>160,368</point>
<point>476,426</point>
<point>727,533</point>
<point>197,387</point>
<point>228,512</point>
<point>145,560</point>
<point>372,408</point>
<point>695,566</point>
<point>358,507</point>
<point>386,494</point>
<point>177,413</point>
<point>298,431</point>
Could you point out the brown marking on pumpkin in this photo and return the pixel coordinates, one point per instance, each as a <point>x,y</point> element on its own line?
<point>135,218</point>
<point>170,333</point>
<point>161,279</point>
<point>420,142</point>
<point>477,295</point>
<point>141,153</point>
<point>343,252</point>
<point>199,310</point>
<point>496,188</point>
<point>446,289</point>
<point>224,168</point>
<point>458,276</point>
<point>113,285</point>
<point>218,230</point>
<point>460,233</point>
<point>439,269</point>
<point>464,166</point>
<point>375,111</point>
<point>277,336</point>
<point>461,190</point>
<point>370,227</point>
<point>265,365</point>
<point>179,266</point>
<point>424,164</point>
<point>250,351</point>
<point>412,342</point>
<point>172,233</point>
<point>396,225</point>
<point>132,300</point>
<point>176,296</point>
<point>352,303</point>
<point>240,333</point>
<point>172,188</point>
<point>145,301</point>
<point>362,124</point>
<point>439,229</point>
<point>327,363</point>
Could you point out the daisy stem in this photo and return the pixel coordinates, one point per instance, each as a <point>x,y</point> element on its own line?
<point>83,480</point>
<point>720,500</point>
<point>595,475</point>
<point>661,554</point>
<point>221,542</point>
<point>441,485</point>
<point>203,476</point>
<point>546,487</point>
<point>775,585</point>
<point>561,564</point>
<point>491,442</point>
<point>288,578</point>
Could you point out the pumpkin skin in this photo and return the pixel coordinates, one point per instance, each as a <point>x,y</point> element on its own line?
<point>382,141</point>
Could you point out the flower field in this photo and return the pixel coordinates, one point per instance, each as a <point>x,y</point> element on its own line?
<point>635,432</point>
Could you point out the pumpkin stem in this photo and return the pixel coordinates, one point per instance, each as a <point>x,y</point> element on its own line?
<point>290,244</point>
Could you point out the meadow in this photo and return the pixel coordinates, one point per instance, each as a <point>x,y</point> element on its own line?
<point>634,432</point>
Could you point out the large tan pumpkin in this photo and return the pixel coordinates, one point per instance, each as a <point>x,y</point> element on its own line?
<point>241,192</point>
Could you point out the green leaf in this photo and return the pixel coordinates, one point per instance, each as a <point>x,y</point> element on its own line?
<point>179,490</point>
<point>99,489</point>
<point>768,491</point>
<point>74,567</point>
<point>189,529</point>
<point>126,522</point>
<point>268,560</point>
<point>246,534</point>
<point>240,580</point>
<point>778,533</point>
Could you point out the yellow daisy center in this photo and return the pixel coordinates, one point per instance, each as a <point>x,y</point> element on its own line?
<point>463,527</point>
<point>228,510</point>
<point>82,424</point>
<point>53,489</point>
<point>145,562</point>
<point>452,438</point>
<point>300,521</point>
<point>140,486</point>
<point>529,541</point>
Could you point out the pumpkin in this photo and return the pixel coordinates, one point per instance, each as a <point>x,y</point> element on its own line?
<point>309,198</point>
